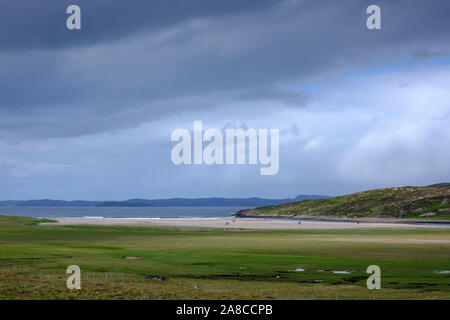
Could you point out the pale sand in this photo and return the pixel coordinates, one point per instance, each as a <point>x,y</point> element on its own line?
<point>235,223</point>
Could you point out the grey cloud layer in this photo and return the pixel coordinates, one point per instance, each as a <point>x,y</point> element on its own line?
<point>96,107</point>
<point>137,61</point>
<point>41,24</point>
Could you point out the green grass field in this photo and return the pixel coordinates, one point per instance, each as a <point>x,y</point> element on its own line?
<point>225,264</point>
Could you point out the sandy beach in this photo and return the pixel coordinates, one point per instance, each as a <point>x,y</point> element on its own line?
<point>237,223</point>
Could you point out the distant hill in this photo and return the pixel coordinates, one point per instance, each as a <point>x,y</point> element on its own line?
<point>174,202</point>
<point>402,202</point>
<point>8,203</point>
<point>303,197</point>
<point>439,185</point>
<point>205,202</point>
<point>57,203</point>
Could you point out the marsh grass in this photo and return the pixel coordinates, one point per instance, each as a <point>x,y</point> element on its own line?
<point>225,264</point>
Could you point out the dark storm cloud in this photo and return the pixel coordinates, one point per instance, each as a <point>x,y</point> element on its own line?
<point>136,61</point>
<point>41,24</point>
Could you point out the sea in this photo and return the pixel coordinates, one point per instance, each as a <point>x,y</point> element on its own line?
<point>121,212</point>
<point>147,213</point>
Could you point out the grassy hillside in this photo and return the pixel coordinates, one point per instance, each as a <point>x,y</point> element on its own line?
<point>403,202</point>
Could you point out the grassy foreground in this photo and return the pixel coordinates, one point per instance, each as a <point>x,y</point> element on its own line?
<point>220,264</point>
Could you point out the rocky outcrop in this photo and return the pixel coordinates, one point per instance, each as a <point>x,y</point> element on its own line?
<point>244,213</point>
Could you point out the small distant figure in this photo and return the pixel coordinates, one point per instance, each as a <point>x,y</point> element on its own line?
<point>299,222</point>
<point>196,287</point>
<point>227,223</point>
<point>357,222</point>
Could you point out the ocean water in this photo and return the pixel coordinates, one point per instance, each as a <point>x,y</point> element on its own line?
<point>120,212</point>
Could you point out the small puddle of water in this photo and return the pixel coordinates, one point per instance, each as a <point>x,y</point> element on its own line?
<point>131,257</point>
<point>342,272</point>
<point>297,270</point>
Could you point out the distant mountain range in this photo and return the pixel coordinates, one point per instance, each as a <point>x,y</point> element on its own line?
<point>174,202</point>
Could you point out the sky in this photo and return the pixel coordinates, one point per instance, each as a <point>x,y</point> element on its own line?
<point>88,114</point>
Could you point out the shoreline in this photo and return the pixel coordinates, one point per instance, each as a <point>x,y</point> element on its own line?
<point>246,213</point>
<point>238,223</point>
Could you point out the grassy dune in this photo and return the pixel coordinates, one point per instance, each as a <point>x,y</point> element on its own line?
<point>404,202</point>
<point>226,264</point>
